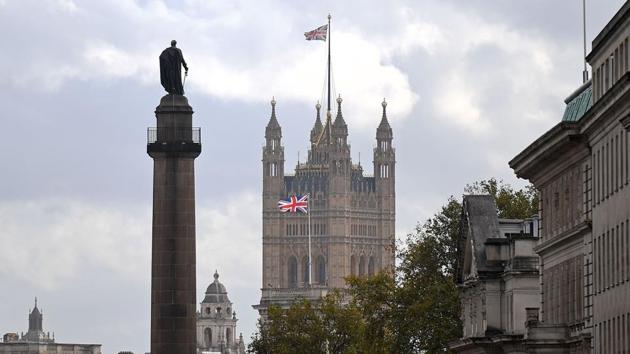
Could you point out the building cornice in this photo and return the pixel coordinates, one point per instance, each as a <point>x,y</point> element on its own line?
<point>549,148</point>
<point>609,30</point>
<point>563,237</point>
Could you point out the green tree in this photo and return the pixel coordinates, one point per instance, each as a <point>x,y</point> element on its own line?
<point>428,266</point>
<point>329,326</point>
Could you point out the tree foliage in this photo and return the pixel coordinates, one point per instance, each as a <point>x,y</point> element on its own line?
<point>418,311</point>
<point>329,326</point>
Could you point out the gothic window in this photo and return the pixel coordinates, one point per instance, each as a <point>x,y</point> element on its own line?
<point>362,266</point>
<point>353,265</point>
<point>305,276</point>
<point>207,334</point>
<point>208,310</point>
<point>228,336</point>
<point>321,270</point>
<point>292,272</point>
<point>371,267</point>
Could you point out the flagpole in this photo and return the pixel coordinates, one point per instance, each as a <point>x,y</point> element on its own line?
<point>329,62</point>
<point>310,273</point>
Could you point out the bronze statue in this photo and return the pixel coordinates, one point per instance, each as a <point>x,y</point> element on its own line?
<point>171,62</point>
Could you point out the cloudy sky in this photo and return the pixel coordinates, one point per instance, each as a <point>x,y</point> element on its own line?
<point>469,85</point>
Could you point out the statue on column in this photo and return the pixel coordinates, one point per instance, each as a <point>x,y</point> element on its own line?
<point>171,62</point>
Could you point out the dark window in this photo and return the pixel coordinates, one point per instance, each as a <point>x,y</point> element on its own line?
<point>321,270</point>
<point>292,272</point>
<point>208,337</point>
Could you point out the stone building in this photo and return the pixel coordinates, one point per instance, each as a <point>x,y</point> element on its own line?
<point>216,322</point>
<point>580,167</point>
<point>352,214</point>
<point>498,277</point>
<point>36,341</point>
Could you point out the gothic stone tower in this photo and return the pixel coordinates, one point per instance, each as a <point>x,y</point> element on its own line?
<point>352,215</point>
<point>173,145</point>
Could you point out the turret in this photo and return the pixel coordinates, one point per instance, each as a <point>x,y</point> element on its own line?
<point>35,318</point>
<point>273,152</point>
<point>317,127</point>
<point>384,174</point>
<point>340,128</point>
<point>384,154</point>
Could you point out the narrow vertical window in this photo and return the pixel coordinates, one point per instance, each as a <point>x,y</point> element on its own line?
<point>321,270</point>
<point>292,272</point>
<point>371,267</point>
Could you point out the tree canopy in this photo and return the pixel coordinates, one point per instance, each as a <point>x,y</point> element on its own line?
<point>414,310</point>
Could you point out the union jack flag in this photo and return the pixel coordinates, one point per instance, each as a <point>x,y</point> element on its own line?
<point>294,204</point>
<point>317,34</point>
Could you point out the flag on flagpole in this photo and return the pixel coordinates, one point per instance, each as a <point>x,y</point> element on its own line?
<point>294,204</point>
<point>318,34</point>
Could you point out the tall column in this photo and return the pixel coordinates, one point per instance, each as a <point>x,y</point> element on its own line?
<point>173,145</point>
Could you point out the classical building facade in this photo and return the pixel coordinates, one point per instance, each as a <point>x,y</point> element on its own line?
<point>36,341</point>
<point>498,277</point>
<point>581,168</point>
<point>216,322</point>
<point>352,214</point>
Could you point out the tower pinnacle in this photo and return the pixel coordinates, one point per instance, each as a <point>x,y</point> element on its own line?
<point>384,130</point>
<point>317,127</point>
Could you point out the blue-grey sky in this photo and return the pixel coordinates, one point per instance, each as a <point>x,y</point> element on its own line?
<point>469,85</point>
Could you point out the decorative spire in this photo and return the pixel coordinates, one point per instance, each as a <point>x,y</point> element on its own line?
<point>317,127</point>
<point>384,130</point>
<point>339,100</point>
<point>339,122</point>
<point>273,106</point>
<point>384,104</point>
<point>273,127</point>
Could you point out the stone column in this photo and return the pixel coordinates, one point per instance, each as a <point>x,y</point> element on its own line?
<point>173,145</point>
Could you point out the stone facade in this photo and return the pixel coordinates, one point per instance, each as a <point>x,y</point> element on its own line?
<point>498,277</point>
<point>216,322</point>
<point>580,167</point>
<point>36,341</point>
<point>352,215</point>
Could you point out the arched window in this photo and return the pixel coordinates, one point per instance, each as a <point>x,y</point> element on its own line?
<point>228,336</point>
<point>371,267</point>
<point>207,334</point>
<point>305,275</point>
<point>353,265</point>
<point>362,266</point>
<point>321,270</point>
<point>292,272</point>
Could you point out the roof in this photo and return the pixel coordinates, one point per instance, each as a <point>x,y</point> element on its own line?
<point>216,292</point>
<point>483,224</point>
<point>578,103</point>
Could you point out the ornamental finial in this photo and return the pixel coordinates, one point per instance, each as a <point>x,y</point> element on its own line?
<point>273,101</point>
